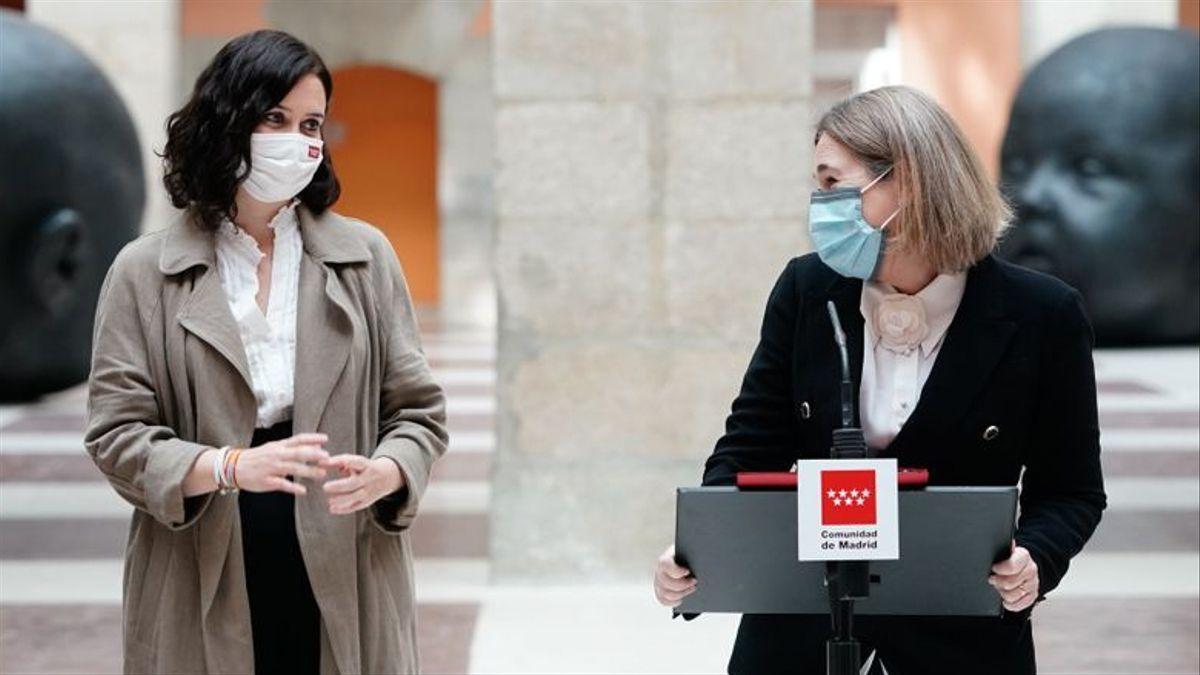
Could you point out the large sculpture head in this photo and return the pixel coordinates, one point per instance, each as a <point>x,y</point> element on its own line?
<point>1102,162</point>
<point>71,194</point>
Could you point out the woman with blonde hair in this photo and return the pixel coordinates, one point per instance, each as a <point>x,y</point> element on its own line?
<point>976,369</point>
<point>259,394</point>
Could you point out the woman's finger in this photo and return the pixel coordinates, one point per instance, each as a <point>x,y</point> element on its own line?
<point>674,597</point>
<point>348,503</point>
<point>305,453</point>
<point>676,571</point>
<point>1005,583</point>
<point>1018,604</point>
<point>673,569</point>
<point>306,439</point>
<point>350,461</point>
<point>302,470</point>
<point>284,485</point>
<point>665,599</point>
<point>344,485</point>
<point>673,584</point>
<point>1007,568</point>
<point>676,585</point>
<point>1015,594</point>
<point>1014,564</point>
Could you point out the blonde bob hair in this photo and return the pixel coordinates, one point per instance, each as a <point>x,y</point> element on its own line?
<point>950,210</point>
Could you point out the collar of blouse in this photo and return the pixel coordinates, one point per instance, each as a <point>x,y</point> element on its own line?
<point>327,238</point>
<point>903,321</point>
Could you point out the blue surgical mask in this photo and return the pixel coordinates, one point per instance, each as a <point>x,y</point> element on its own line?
<point>844,240</point>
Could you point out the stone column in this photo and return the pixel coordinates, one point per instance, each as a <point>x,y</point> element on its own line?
<point>652,182</point>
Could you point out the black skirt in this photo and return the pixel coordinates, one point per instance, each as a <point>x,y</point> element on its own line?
<point>283,612</point>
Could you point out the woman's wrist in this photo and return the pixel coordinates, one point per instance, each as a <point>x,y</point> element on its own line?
<point>225,469</point>
<point>200,479</point>
<point>390,469</point>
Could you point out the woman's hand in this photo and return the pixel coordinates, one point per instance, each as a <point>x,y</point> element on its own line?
<point>266,468</point>
<point>363,483</point>
<point>672,582</point>
<point>1016,579</point>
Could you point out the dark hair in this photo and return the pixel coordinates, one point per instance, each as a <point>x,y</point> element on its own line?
<point>209,137</point>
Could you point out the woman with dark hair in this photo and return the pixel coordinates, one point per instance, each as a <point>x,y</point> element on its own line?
<point>259,394</point>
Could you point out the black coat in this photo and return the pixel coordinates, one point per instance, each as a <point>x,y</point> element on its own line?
<point>1017,356</point>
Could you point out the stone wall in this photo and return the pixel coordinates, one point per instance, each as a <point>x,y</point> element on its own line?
<point>653,164</point>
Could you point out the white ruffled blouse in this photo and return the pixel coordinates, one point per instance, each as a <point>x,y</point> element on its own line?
<point>269,340</point>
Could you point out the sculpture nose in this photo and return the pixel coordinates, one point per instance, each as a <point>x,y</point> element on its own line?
<point>1034,195</point>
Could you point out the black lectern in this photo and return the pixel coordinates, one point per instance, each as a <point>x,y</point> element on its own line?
<point>742,547</point>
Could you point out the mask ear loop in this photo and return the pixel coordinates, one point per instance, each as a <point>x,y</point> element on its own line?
<point>871,185</point>
<point>877,179</point>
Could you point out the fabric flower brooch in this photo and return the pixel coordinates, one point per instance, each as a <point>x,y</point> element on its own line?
<point>900,322</point>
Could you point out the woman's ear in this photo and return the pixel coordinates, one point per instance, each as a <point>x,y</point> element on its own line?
<point>57,254</point>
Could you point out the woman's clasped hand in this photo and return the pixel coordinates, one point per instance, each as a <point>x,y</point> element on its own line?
<point>276,465</point>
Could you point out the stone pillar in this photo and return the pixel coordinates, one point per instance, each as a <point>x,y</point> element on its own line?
<point>136,45</point>
<point>652,182</point>
<point>466,153</point>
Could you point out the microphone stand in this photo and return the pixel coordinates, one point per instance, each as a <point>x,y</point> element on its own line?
<point>846,580</point>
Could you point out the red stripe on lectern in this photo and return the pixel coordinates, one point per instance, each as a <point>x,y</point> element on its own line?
<point>786,480</point>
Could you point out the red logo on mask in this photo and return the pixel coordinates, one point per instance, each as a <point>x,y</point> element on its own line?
<point>314,152</point>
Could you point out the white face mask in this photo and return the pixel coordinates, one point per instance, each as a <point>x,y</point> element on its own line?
<point>281,165</point>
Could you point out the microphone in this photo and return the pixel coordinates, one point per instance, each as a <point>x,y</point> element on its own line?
<point>848,442</point>
<point>847,580</point>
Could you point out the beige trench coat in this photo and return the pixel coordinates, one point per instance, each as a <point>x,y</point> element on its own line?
<point>169,380</point>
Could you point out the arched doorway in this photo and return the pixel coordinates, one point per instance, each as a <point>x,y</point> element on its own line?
<point>382,136</point>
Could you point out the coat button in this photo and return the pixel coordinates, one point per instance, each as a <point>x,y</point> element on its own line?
<point>805,410</point>
<point>991,432</point>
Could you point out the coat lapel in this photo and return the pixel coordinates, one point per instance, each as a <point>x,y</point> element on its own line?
<point>324,318</point>
<point>977,338</point>
<point>205,312</point>
<point>323,335</point>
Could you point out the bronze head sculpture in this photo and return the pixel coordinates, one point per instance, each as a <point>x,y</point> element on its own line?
<point>1102,161</point>
<point>71,195</point>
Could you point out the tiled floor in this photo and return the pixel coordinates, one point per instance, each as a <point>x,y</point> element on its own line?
<point>1130,603</point>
